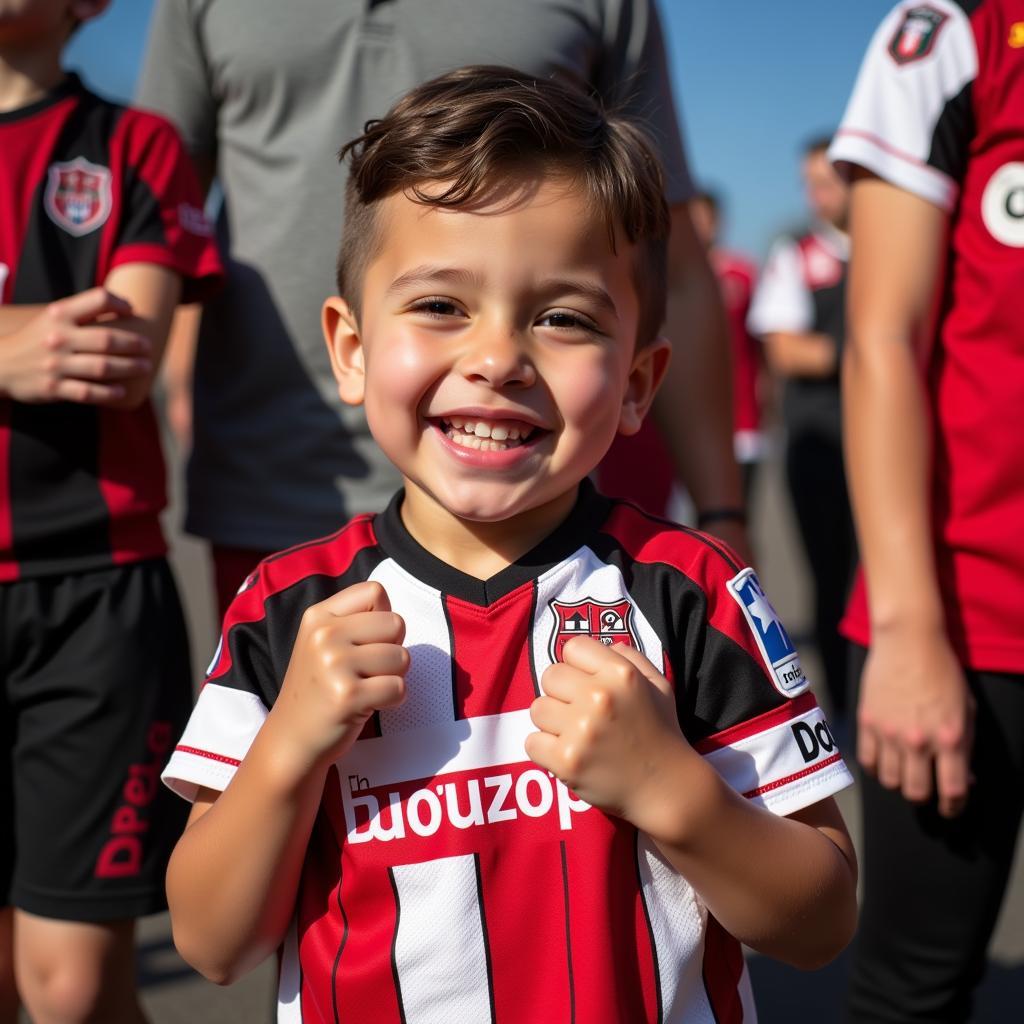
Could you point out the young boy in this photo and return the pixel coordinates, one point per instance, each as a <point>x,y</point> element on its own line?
<point>506,751</point>
<point>101,232</point>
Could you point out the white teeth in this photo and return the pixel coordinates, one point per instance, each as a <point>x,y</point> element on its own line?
<point>499,433</point>
<point>482,435</point>
<point>482,430</point>
<point>513,433</point>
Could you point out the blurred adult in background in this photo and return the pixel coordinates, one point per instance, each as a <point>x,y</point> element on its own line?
<point>934,387</point>
<point>736,275</point>
<point>799,311</point>
<point>264,94</point>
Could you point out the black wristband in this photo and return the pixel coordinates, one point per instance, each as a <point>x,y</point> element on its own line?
<point>717,515</point>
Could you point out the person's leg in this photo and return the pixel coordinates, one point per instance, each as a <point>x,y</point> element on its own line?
<point>932,887</point>
<point>230,568</point>
<point>817,486</point>
<point>74,972</point>
<point>101,691</point>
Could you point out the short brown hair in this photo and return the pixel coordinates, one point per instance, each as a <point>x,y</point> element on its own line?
<point>473,127</point>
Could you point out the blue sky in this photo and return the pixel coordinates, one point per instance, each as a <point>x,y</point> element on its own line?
<point>754,78</point>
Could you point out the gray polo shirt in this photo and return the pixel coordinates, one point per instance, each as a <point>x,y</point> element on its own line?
<point>271,90</point>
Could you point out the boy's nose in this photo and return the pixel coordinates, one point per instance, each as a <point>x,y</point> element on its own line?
<point>499,358</point>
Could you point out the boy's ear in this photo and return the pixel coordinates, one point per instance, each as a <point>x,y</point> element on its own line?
<point>345,347</point>
<point>649,366</point>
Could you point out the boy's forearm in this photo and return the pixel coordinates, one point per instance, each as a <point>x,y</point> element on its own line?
<point>783,886</point>
<point>14,316</point>
<point>234,874</point>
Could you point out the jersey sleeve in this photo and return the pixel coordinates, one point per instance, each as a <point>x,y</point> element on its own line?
<point>162,219</point>
<point>745,703</point>
<point>240,688</point>
<point>781,301</point>
<point>633,77</point>
<point>909,117</point>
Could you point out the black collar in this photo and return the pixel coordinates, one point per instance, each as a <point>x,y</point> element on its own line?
<point>71,85</point>
<point>591,509</point>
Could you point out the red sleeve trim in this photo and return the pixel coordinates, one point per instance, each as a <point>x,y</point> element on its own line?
<point>762,723</point>
<point>208,754</point>
<point>887,147</point>
<point>779,783</point>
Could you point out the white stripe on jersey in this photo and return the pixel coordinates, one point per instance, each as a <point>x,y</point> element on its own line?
<point>441,898</point>
<point>428,695</point>
<point>891,116</point>
<point>289,995</point>
<point>678,921</point>
<point>583,575</point>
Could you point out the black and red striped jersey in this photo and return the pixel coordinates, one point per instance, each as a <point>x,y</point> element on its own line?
<point>86,186</point>
<point>447,877</point>
<point>938,111</point>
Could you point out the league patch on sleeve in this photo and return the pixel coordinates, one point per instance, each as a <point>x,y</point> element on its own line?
<point>916,35</point>
<point>780,656</point>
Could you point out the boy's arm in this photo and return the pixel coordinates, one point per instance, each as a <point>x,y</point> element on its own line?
<point>785,886</point>
<point>916,710</point>
<point>234,874</point>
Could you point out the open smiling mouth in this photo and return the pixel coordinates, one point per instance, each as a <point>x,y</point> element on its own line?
<point>487,435</point>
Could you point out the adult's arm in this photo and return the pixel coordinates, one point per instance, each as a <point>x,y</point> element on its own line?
<point>693,407</point>
<point>916,711</point>
<point>801,354</point>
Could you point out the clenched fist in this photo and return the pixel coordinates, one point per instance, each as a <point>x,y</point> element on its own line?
<point>348,662</point>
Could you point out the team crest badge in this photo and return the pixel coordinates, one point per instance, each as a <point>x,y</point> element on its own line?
<point>611,622</point>
<point>773,641</point>
<point>916,35</point>
<point>78,197</point>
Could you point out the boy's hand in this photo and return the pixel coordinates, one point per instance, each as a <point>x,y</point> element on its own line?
<point>348,661</point>
<point>67,353</point>
<point>608,730</point>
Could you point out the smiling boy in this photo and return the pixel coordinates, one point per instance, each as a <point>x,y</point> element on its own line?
<point>507,751</point>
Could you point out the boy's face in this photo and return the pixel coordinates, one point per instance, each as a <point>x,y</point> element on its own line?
<point>495,353</point>
<point>25,20</point>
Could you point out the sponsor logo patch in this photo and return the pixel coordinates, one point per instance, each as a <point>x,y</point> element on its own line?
<point>77,196</point>
<point>773,641</point>
<point>611,622</point>
<point>815,740</point>
<point>1002,205</point>
<point>916,35</point>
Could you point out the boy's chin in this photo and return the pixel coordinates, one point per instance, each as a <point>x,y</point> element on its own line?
<point>479,503</point>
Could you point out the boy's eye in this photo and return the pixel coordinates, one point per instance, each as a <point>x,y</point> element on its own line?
<point>436,307</point>
<point>564,320</point>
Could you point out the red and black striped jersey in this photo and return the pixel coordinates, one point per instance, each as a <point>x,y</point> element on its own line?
<point>447,877</point>
<point>938,111</point>
<point>86,186</point>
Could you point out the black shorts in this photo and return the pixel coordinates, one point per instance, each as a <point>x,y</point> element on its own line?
<point>95,693</point>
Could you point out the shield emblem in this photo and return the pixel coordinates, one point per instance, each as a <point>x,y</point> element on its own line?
<point>78,197</point>
<point>916,35</point>
<point>611,622</point>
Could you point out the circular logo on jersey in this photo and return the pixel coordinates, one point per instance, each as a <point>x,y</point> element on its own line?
<point>1002,205</point>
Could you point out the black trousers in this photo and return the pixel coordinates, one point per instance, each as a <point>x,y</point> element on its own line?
<point>817,487</point>
<point>932,886</point>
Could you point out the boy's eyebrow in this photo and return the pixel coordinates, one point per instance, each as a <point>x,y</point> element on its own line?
<point>428,273</point>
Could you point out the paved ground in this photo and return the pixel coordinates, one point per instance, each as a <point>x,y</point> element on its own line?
<point>175,995</point>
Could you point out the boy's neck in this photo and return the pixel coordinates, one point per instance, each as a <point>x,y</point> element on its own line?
<point>28,73</point>
<point>480,549</point>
